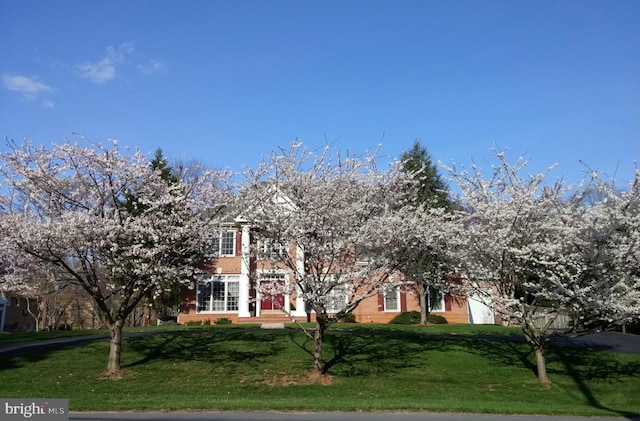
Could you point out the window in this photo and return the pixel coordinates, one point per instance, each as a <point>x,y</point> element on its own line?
<point>391,298</point>
<point>436,299</point>
<point>337,299</point>
<point>218,294</point>
<point>227,243</point>
<point>269,249</point>
<point>363,256</point>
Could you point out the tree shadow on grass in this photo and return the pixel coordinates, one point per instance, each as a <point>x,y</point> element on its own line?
<point>359,354</point>
<point>18,361</point>
<point>505,352</point>
<point>206,346</point>
<point>35,352</point>
<point>580,365</point>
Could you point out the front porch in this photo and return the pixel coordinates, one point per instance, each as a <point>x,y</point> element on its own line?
<point>236,319</point>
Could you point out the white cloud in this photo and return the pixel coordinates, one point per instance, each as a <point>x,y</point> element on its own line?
<point>104,69</point>
<point>28,87</point>
<point>152,67</point>
<point>99,72</point>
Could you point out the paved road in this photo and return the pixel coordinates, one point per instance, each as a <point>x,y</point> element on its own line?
<point>320,416</point>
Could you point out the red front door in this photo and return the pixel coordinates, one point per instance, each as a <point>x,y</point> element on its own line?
<point>270,301</point>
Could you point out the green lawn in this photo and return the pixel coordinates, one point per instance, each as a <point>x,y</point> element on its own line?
<point>7,338</point>
<point>231,369</point>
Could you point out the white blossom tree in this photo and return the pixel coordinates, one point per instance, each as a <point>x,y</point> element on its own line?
<point>69,208</point>
<point>607,255</point>
<point>332,221</point>
<point>542,252</point>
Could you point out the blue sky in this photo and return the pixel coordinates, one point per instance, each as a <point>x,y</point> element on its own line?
<point>225,82</point>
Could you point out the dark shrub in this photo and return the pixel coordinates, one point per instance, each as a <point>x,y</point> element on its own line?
<point>435,319</point>
<point>413,318</point>
<point>406,318</point>
<point>193,323</point>
<point>348,318</point>
<point>223,321</point>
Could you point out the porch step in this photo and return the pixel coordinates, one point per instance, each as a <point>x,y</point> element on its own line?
<point>268,319</point>
<point>272,326</point>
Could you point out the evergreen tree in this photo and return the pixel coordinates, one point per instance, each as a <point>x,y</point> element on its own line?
<point>431,189</point>
<point>426,271</point>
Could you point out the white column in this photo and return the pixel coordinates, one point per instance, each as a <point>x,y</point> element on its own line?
<point>300,305</point>
<point>243,305</point>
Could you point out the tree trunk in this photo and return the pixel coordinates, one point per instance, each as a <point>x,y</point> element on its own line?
<point>541,365</point>
<point>35,317</point>
<point>537,342</point>
<point>424,303</point>
<point>115,347</point>
<point>318,339</point>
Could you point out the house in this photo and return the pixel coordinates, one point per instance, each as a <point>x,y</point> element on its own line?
<point>14,313</point>
<point>231,290</point>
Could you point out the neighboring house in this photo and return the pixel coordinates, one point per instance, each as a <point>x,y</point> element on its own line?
<point>3,306</point>
<point>14,315</point>
<point>231,291</point>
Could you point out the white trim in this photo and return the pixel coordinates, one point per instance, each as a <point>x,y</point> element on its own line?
<point>245,274</point>
<point>300,303</point>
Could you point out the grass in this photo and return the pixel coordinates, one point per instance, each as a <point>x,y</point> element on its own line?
<point>8,338</point>
<point>239,369</point>
<point>455,329</point>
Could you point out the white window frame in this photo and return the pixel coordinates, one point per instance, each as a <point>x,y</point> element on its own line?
<point>388,290</point>
<point>221,250</point>
<point>229,282</point>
